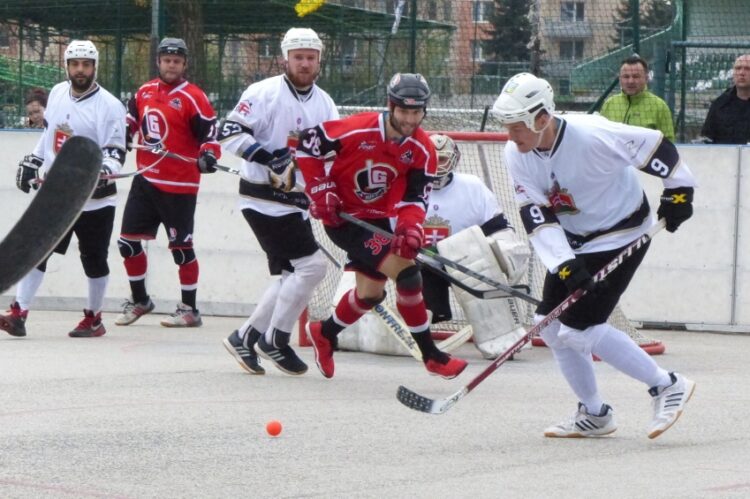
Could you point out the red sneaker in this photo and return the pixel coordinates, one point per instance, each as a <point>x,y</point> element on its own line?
<point>15,322</point>
<point>323,348</point>
<point>91,326</point>
<point>449,369</point>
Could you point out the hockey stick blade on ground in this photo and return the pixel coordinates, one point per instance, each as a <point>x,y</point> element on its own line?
<point>421,403</point>
<point>69,183</point>
<point>434,261</point>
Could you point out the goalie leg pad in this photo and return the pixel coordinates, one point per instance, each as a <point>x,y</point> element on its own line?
<point>512,254</point>
<point>497,323</point>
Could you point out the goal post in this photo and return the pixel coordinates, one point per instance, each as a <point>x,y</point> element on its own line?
<point>482,156</point>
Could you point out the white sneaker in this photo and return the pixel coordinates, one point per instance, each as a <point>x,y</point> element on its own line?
<point>132,311</point>
<point>582,424</point>
<point>184,316</point>
<point>668,403</point>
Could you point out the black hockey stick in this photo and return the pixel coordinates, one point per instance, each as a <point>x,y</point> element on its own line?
<point>167,154</point>
<point>69,183</point>
<point>421,403</point>
<point>432,261</point>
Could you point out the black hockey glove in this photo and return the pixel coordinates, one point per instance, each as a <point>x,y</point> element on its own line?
<point>676,206</point>
<point>574,275</point>
<point>207,161</point>
<point>28,170</point>
<point>282,158</point>
<point>282,175</point>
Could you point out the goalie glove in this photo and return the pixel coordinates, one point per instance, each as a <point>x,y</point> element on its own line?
<point>324,201</point>
<point>28,171</point>
<point>283,169</point>
<point>676,206</point>
<point>574,275</point>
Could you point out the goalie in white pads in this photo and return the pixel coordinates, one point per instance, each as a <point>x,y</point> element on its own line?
<point>465,221</point>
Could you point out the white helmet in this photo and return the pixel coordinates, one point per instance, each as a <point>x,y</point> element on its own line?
<point>300,38</point>
<point>82,49</point>
<point>522,98</point>
<point>448,157</point>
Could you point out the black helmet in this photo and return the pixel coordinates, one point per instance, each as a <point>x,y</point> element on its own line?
<point>409,90</point>
<point>173,46</point>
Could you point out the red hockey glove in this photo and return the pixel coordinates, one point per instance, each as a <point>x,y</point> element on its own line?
<point>324,202</point>
<point>407,239</point>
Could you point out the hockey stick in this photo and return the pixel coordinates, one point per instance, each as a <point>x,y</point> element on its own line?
<point>433,261</point>
<point>396,326</point>
<point>421,403</point>
<point>69,183</point>
<point>187,159</point>
<point>107,176</point>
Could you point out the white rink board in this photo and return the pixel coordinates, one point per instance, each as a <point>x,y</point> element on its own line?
<point>687,277</point>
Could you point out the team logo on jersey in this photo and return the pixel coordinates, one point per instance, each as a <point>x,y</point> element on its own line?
<point>407,157</point>
<point>154,127</point>
<point>374,180</point>
<point>176,103</point>
<point>243,108</point>
<point>561,200</point>
<point>633,148</point>
<point>436,228</point>
<point>63,132</point>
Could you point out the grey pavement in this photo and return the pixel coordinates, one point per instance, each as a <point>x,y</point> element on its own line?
<point>147,411</point>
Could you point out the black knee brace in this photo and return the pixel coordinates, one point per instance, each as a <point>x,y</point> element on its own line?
<point>129,248</point>
<point>95,265</point>
<point>182,256</point>
<point>409,279</point>
<point>371,302</point>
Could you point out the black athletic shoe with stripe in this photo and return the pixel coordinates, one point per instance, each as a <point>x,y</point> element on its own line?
<point>243,352</point>
<point>582,424</point>
<point>284,358</point>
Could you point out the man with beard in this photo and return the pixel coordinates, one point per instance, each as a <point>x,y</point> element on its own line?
<point>262,130</point>
<point>172,114</point>
<point>382,166</point>
<point>78,106</point>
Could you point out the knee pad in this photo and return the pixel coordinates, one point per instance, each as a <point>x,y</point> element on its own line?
<point>371,302</point>
<point>409,279</point>
<point>129,248</point>
<point>550,334</point>
<point>582,341</point>
<point>182,256</point>
<point>95,265</point>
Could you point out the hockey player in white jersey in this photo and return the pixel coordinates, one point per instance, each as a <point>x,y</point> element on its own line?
<point>78,106</point>
<point>466,221</point>
<point>262,129</point>
<point>581,202</point>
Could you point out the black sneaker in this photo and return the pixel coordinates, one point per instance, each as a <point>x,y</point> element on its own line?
<point>284,358</point>
<point>242,350</point>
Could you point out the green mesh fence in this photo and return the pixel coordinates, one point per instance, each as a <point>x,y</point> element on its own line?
<point>466,49</point>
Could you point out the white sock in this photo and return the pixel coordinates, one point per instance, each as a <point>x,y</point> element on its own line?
<point>27,288</point>
<point>261,316</point>
<point>97,289</point>
<point>618,350</point>
<point>578,370</point>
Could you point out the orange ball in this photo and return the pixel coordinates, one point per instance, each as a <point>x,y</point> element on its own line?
<point>273,428</point>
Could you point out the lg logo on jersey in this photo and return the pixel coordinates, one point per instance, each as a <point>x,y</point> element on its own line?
<point>154,128</point>
<point>373,181</point>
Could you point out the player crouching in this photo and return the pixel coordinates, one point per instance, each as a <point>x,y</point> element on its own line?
<point>382,167</point>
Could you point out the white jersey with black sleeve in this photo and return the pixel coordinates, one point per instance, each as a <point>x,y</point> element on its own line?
<point>267,113</point>
<point>96,114</point>
<point>584,194</point>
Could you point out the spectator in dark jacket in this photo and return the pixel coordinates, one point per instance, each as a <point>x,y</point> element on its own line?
<point>728,119</point>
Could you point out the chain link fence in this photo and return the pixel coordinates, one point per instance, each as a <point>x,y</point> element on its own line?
<point>466,49</point>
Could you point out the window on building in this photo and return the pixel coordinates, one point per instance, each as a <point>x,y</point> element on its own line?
<point>571,50</point>
<point>432,9</point>
<point>482,11</point>
<point>477,52</point>
<point>265,47</point>
<point>563,87</point>
<point>571,11</point>
<point>4,36</point>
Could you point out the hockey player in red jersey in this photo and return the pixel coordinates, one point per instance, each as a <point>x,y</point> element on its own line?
<point>382,168</point>
<point>169,113</point>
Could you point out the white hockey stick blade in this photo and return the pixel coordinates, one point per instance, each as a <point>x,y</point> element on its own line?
<point>398,329</point>
<point>69,183</point>
<point>421,403</point>
<point>456,339</point>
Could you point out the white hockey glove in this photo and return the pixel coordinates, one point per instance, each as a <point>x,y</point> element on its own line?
<point>28,171</point>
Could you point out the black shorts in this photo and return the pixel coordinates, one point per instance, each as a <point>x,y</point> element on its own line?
<point>93,230</point>
<point>594,308</point>
<point>148,207</point>
<point>365,251</point>
<point>283,238</point>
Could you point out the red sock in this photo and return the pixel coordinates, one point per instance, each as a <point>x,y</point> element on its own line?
<point>189,275</point>
<point>410,305</point>
<point>350,308</point>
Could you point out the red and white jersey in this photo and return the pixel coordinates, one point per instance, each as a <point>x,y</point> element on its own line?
<point>375,177</point>
<point>584,194</point>
<point>267,114</point>
<point>180,119</point>
<point>464,202</point>
<point>97,115</point>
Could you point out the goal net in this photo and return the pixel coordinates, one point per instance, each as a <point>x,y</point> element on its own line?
<point>481,155</point>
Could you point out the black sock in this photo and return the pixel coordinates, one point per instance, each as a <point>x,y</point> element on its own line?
<point>330,329</point>
<point>188,297</point>
<point>428,348</point>
<point>138,290</point>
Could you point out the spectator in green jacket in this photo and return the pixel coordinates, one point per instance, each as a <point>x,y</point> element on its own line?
<point>635,105</point>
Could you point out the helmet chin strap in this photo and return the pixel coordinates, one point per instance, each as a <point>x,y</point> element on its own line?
<point>541,132</point>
